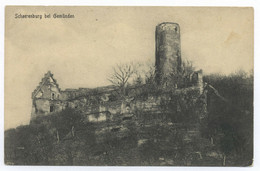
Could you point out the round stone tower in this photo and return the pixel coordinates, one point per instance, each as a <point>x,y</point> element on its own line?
<point>168,50</point>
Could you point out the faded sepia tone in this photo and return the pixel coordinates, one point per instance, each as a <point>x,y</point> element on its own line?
<point>216,39</point>
<point>78,53</point>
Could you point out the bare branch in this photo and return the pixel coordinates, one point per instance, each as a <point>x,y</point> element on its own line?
<point>121,75</point>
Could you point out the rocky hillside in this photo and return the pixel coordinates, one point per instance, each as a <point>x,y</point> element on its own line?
<point>174,128</point>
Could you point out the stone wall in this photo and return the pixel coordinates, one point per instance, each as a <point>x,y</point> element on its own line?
<point>98,108</point>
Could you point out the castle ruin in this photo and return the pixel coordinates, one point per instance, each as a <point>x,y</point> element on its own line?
<point>49,98</point>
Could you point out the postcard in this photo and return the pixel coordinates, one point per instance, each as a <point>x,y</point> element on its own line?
<point>128,86</point>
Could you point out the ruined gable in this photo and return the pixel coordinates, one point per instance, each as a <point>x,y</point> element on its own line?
<point>46,97</point>
<point>48,88</point>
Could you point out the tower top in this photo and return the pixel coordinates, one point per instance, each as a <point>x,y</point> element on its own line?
<point>168,26</point>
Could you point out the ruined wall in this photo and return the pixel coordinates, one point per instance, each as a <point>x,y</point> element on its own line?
<point>168,50</point>
<point>184,109</point>
<point>47,98</point>
<point>171,104</point>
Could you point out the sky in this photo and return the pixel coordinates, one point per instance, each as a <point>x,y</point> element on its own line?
<point>81,51</point>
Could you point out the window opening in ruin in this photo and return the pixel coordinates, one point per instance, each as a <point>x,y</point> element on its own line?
<point>51,108</point>
<point>52,96</point>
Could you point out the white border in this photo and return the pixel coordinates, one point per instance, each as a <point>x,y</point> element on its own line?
<point>237,3</point>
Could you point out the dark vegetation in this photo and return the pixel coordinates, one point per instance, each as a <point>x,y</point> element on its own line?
<point>65,139</point>
<point>39,144</point>
<point>230,122</point>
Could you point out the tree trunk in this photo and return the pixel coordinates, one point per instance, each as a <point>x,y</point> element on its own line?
<point>58,137</point>
<point>72,131</point>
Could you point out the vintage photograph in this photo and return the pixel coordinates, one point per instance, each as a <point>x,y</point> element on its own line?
<point>128,86</point>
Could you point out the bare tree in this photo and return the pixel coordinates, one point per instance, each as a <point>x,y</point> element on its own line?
<point>121,75</point>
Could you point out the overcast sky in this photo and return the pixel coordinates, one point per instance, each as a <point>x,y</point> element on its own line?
<point>81,51</point>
